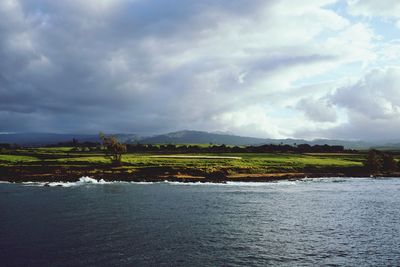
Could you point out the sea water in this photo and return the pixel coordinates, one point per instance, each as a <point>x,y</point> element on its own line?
<point>313,222</point>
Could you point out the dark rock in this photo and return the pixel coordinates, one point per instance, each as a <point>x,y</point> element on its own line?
<point>215,176</point>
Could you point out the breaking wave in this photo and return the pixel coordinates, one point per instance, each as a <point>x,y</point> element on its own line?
<point>326,180</point>
<point>91,181</point>
<point>231,183</point>
<point>85,180</point>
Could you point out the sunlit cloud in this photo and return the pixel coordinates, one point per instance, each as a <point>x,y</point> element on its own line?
<point>260,68</point>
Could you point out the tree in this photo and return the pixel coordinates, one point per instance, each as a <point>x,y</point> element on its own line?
<point>113,148</point>
<point>374,161</point>
<point>389,163</point>
<point>380,161</point>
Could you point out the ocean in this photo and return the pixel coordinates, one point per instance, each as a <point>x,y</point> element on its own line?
<point>313,222</point>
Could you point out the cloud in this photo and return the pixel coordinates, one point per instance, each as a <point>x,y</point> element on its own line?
<point>372,8</point>
<point>375,96</point>
<point>371,105</point>
<point>155,66</point>
<point>317,110</point>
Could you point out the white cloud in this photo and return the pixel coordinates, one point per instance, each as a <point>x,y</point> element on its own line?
<point>371,8</point>
<point>153,66</point>
<point>372,107</point>
<point>376,95</point>
<point>317,109</point>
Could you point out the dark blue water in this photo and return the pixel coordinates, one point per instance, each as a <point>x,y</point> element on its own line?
<point>316,222</point>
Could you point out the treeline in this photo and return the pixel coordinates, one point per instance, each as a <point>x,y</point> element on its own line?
<point>270,148</point>
<point>171,148</point>
<point>9,146</point>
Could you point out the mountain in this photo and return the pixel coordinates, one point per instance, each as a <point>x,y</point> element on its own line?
<point>197,137</point>
<point>39,139</point>
<point>185,137</point>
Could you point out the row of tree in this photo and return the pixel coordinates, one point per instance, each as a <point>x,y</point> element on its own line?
<point>9,146</point>
<point>270,148</point>
<point>171,148</point>
<point>378,161</point>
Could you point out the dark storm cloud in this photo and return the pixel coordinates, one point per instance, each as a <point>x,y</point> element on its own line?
<point>149,66</point>
<point>87,66</point>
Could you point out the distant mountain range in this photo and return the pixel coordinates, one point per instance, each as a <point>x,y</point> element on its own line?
<point>38,139</point>
<point>184,137</point>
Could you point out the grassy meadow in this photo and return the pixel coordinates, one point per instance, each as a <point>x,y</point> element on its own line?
<point>61,160</point>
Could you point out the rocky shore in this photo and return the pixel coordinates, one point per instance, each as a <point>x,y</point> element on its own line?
<point>48,174</point>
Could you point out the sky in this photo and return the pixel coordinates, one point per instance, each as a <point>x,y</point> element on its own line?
<point>263,68</point>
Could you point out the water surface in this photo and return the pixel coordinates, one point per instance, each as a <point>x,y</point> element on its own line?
<point>313,222</point>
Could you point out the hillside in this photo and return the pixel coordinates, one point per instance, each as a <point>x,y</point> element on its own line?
<point>198,137</point>
<point>187,137</point>
<point>39,139</point>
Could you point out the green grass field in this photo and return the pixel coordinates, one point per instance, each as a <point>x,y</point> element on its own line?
<point>249,162</point>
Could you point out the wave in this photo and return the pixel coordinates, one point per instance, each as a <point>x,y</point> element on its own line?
<point>85,180</point>
<point>231,183</point>
<point>273,183</point>
<point>144,183</point>
<point>331,179</point>
<point>91,181</point>
<point>191,183</point>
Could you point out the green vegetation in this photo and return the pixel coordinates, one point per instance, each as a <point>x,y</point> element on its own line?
<point>378,161</point>
<point>16,159</point>
<point>251,161</point>
<point>67,161</point>
<point>113,149</point>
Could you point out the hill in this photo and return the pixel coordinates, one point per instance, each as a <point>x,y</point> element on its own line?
<point>199,137</point>
<point>187,137</point>
<point>40,139</point>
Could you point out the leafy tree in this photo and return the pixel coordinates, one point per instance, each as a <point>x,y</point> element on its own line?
<point>113,148</point>
<point>379,161</point>
<point>374,162</point>
<point>75,144</point>
<point>389,163</point>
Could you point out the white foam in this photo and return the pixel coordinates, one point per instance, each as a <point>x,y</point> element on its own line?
<point>326,180</point>
<point>91,181</point>
<point>230,183</point>
<point>85,180</point>
<point>272,183</point>
<point>88,180</point>
<point>142,182</point>
<point>33,183</point>
<point>192,183</point>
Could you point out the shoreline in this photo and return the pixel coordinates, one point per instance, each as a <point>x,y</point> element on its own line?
<point>64,165</point>
<point>267,177</point>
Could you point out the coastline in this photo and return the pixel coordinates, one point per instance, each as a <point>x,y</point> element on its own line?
<point>65,165</point>
<point>259,177</point>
